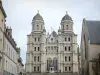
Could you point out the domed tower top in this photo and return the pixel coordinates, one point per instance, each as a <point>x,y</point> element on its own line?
<point>37,23</point>
<point>66,23</point>
<point>66,17</point>
<point>37,17</point>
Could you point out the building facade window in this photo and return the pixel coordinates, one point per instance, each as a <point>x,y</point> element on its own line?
<point>67,27</point>
<point>51,39</point>
<point>34,69</point>
<point>38,49</point>
<point>34,48</point>
<point>69,39</point>
<point>69,48</point>
<point>65,48</point>
<point>38,39</point>
<point>37,27</point>
<point>69,58</point>
<point>65,68</point>
<point>38,58</point>
<point>35,39</point>
<point>34,58</point>
<point>65,58</point>
<point>38,69</point>
<point>69,68</point>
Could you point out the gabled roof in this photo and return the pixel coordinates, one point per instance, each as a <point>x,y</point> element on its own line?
<point>93,28</point>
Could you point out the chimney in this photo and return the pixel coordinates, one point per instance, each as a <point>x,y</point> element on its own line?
<point>9,31</point>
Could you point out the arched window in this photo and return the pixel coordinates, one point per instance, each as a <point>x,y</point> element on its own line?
<point>67,27</point>
<point>69,58</point>
<point>69,39</point>
<point>38,58</point>
<point>69,48</point>
<point>34,48</point>
<point>65,48</point>
<point>65,58</point>
<point>38,48</point>
<point>34,58</point>
<point>51,39</point>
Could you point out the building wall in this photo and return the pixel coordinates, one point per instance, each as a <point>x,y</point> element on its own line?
<point>84,50</point>
<point>94,50</point>
<point>10,57</point>
<point>2,22</point>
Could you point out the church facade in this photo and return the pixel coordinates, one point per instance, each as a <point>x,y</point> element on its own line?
<point>55,52</point>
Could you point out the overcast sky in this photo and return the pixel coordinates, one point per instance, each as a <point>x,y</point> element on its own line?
<point>20,14</point>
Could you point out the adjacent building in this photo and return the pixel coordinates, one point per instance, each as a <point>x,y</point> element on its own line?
<point>20,65</point>
<point>90,47</point>
<point>9,53</point>
<point>55,52</point>
<point>2,24</point>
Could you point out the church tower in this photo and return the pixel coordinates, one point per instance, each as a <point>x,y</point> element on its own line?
<point>36,45</point>
<point>67,45</point>
<point>66,23</point>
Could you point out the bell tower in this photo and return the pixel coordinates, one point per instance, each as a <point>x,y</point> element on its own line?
<point>66,23</point>
<point>37,23</point>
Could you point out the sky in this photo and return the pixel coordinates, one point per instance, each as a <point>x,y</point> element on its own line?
<point>21,12</point>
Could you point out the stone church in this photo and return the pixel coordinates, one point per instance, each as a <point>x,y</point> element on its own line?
<point>55,52</point>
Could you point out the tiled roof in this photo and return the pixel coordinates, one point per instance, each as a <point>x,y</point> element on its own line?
<point>93,28</point>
